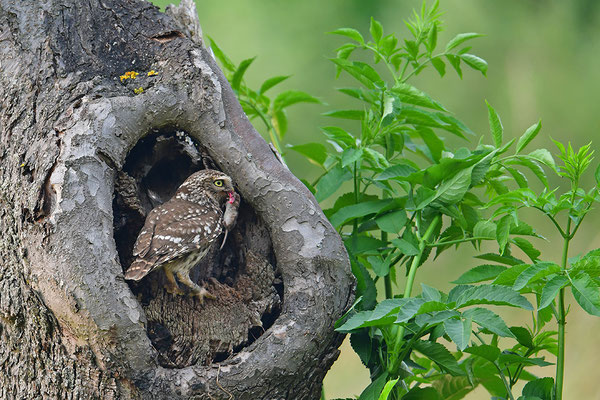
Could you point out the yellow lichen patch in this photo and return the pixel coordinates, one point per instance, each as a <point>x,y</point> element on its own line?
<point>138,90</point>
<point>152,73</point>
<point>129,75</point>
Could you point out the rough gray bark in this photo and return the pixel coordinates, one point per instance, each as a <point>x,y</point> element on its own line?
<point>70,326</point>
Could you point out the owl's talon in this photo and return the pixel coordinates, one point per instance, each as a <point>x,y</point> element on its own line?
<point>201,294</point>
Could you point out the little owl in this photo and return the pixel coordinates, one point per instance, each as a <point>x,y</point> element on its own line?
<point>179,233</point>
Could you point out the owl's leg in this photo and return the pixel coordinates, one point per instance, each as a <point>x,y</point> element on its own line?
<point>171,285</point>
<point>197,291</point>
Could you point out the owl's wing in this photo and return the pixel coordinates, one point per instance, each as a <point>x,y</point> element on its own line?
<point>179,227</point>
<point>144,239</point>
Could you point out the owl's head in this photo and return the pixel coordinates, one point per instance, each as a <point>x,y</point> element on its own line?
<point>206,183</point>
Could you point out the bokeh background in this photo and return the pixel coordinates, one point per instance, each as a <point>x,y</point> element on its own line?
<point>544,62</point>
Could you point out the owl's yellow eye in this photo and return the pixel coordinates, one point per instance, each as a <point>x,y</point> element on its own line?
<point>218,182</point>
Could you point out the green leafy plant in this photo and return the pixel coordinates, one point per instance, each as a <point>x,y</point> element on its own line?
<point>256,102</point>
<point>400,195</point>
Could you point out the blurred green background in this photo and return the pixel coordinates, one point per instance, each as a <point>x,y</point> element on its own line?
<point>544,58</point>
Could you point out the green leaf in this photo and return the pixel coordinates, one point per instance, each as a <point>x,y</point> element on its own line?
<point>349,32</point>
<point>432,37</point>
<point>453,190</point>
<point>508,277</point>
<point>392,222</point>
<point>453,387</point>
<point>541,388</point>
<point>339,136</point>
<point>506,260</point>
<point>502,231</point>
<point>535,273</point>
<point>345,114</point>
<point>523,336</point>
<point>269,83</point>
<point>223,59</point>
<point>511,358</point>
<point>313,151</point>
<point>480,273</point>
<point>373,391</point>
<point>385,393</point>
<point>475,62</point>
<point>459,331</point>
<point>489,320</point>
<point>376,30</point>
<point>440,355</point>
<point>460,39</point>
<point>239,73</point>
<point>380,266</point>
<point>585,291</point>
<point>492,294</point>
<point>362,72</point>
<point>348,213</point>
<point>439,65</point>
<point>289,97</point>
<point>495,125</point>
<point>527,248</point>
<point>484,351</point>
<point>485,229</point>
<point>351,155</point>
<point>396,171</point>
<point>365,286</point>
<point>405,247</point>
<point>409,94</point>
<point>455,62</point>
<point>543,156</point>
<point>331,181</point>
<point>550,290</point>
<point>528,136</point>
<point>597,175</point>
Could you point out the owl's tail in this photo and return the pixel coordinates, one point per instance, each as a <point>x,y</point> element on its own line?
<point>138,269</point>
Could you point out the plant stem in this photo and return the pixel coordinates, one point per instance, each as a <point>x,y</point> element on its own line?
<point>502,376</point>
<point>389,152</point>
<point>409,284</point>
<point>560,362</point>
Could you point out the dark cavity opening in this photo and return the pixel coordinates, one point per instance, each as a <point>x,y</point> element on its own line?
<point>242,276</point>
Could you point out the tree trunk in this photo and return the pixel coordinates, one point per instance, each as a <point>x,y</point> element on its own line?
<point>86,150</point>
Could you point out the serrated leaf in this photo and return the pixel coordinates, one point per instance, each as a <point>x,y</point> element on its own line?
<point>440,355</point>
<point>527,248</point>
<point>480,273</point>
<point>597,175</point>
<point>453,190</point>
<point>460,39</point>
<point>405,247</point>
<point>220,55</point>
<point>239,73</point>
<point>586,293</point>
<point>339,136</point>
<point>392,222</point>
<point>523,336</point>
<point>455,63</point>
<point>362,72</point>
<point>496,128</point>
<point>374,389</point>
<point>502,231</point>
<point>269,83</point>
<point>541,388</point>
<point>345,114</point>
<point>551,289</point>
<point>459,331</point>
<point>489,320</point>
<point>313,151</point>
<point>348,213</point>
<point>485,351</point>
<point>528,136</point>
<point>289,97</point>
<point>331,181</point>
<point>351,155</point>
<point>376,30</point>
<point>349,32</point>
<point>506,260</point>
<point>475,62</point>
<point>508,277</point>
<point>543,156</point>
<point>439,66</point>
<point>485,229</point>
<point>492,294</point>
<point>535,273</point>
<point>422,393</point>
<point>396,171</point>
<point>453,387</point>
<point>409,94</point>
